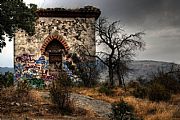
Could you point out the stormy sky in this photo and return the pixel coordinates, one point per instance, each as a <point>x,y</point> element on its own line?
<point>159,19</point>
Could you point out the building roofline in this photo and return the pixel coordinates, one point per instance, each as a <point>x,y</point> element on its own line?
<point>86,12</point>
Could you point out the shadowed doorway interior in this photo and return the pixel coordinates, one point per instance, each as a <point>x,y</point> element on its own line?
<point>55,50</point>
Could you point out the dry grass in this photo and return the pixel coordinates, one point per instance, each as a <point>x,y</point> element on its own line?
<point>93,92</point>
<point>37,97</point>
<point>175,99</point>
<point>151,110</point>
<point>143,107</point>
<point>38,107</point>
<point>41,106</point>
<point>11,95</point>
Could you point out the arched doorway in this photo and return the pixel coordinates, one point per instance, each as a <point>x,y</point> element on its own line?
<point>55,51</point>
<point>54,47</point>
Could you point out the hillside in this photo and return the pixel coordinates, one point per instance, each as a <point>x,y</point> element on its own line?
<point>6,69</point>
<point>147,68</point>
<point>142,69</point>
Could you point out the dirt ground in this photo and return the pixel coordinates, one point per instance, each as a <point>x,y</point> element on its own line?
<point>90,105</point>
<point>37,105</point>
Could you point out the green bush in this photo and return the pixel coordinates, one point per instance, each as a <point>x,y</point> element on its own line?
<point>6,80</point>
<point>122,111</point>
<point>157,92</point>
<point>36,83</point>
<point>106,90</point>
<point>60,94</point>
<point>9,79</point>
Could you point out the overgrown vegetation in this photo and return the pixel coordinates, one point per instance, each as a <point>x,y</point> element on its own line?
<point>157,92</point>
<point>160,87</point>
<point>123,111</point>
<point>88,73</point>
<point>140,92</point>
<point>170,79</point>
<point>60,94</point>
<point>22,88</point>
<point>106,90</point>
<point>21,100</point>
<point>84,69</point>
<point>6,80</point>
<point>36,83</point>
<point>143,108</point>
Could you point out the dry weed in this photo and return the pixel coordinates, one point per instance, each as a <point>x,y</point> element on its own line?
<point>143,107</point>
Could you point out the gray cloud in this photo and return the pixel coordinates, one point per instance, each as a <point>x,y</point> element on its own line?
<point>131,12</point>
<point>155,12</point>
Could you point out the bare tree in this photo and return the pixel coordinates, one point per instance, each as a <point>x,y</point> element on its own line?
<point>121,71</point>
<point>120,46</point>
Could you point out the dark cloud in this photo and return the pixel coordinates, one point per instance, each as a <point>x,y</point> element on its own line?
<point>137,12</point>
<point>146,13</point>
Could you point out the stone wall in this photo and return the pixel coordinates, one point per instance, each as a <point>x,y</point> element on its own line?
<point>29,58</point>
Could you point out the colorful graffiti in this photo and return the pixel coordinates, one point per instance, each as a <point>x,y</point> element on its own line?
<point>40,73</point>
<point>24,58</point>
<point>28,67</point>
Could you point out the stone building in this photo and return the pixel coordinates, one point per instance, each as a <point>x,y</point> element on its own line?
<point>57,31</point>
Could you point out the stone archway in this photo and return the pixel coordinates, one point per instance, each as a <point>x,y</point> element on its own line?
<point>52,37</point>
<point>54,47</point>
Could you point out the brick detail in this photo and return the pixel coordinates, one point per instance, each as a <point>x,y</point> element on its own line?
<point>52,37</point>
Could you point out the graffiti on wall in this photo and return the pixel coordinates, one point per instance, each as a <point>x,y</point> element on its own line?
<point>28,67</point>
<point>24,58</point>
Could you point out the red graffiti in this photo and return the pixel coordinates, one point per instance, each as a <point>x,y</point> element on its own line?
<point>24,58</point>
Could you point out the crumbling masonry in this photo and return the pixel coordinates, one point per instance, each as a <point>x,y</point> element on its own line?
<point>57,31</point>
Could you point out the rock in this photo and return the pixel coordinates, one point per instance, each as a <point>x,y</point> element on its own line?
<point>12,103</point>
<point>18,104</point>
<point>101,108</point>
<point>25,104</point>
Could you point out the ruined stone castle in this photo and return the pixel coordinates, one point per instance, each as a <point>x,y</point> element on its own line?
<point>57,30</point>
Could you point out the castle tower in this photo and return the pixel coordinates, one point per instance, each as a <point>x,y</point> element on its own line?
<point>57,30</point>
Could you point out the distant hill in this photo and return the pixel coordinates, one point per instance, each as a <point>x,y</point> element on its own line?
<point>6,69</point>
<point>142,69</point>
<point>146,68</point>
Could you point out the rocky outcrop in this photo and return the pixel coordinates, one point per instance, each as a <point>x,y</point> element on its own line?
<point>100,108</point>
